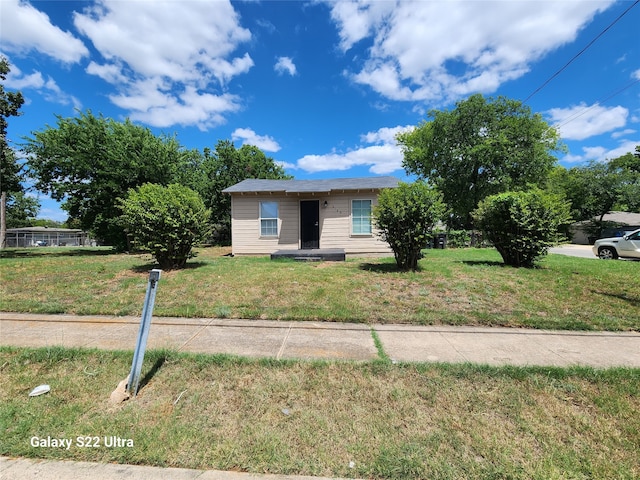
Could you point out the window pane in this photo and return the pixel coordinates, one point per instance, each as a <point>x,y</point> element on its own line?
<point>269,227</point>
<point>268,209</point>
<point>361,217</point>
<point>269,219</point>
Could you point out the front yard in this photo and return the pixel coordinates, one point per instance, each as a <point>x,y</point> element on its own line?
<point>454,286</point>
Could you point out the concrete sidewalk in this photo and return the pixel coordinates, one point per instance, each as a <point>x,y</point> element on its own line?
<point>27,469</point>
<point>329,341</point>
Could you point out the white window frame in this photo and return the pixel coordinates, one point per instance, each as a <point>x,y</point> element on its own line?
<point>266,223</point>
<point>360,217</point>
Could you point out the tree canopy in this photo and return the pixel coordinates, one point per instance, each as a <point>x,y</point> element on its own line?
<point>226,166</point>
<point>89,161</point>
<point>18,206</point>
<point>480,148</point>
<point>598,188</point>
<point>10,104</point>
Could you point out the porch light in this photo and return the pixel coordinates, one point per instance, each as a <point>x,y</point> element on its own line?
<point>325,204</point>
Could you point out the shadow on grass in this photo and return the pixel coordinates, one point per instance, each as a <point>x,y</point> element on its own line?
<point>154,369</point>
<point>55,252</point>
<point>484,263</point>
<point>150,266</point>
<point>490,263</point>
<point>382,268</point>
<point>634,301</point>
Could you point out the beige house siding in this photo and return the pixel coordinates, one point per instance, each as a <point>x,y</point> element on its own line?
<point>335,224</point>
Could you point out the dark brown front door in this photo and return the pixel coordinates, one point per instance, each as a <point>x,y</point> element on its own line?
<point>310,224</point>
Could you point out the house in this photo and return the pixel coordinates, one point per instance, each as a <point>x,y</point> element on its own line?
<point>299,216</point>
<point>45,236</point>
<point>616,224</point>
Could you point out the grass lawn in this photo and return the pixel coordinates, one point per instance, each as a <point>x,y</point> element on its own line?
<point>368,420</point>
<point>454,286</point>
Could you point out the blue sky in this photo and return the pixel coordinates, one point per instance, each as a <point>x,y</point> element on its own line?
<point>323,87</point>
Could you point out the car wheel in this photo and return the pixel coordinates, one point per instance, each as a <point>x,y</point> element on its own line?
<point>607,253</point>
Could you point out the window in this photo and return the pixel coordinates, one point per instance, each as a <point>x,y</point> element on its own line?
<point>361,217</point>
<point>268,219</point>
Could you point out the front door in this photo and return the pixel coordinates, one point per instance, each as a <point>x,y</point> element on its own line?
<point>309,224</point>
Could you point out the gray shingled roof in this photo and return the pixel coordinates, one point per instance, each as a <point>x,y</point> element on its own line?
<point>312,186</point>
<point>621,218</point>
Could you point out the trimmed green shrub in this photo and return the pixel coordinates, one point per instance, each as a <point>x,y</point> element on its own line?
<point>522,225</point>
<point>405,217</point>
<point>458,238</point>
<point>165,221</point>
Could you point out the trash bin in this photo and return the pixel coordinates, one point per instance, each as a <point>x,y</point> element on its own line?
<point>441,240</point>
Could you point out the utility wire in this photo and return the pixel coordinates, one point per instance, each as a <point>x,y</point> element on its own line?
<point>581,51</point>
<point>598,103</point>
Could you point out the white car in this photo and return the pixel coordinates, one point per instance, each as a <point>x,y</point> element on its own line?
<point>614,247</point>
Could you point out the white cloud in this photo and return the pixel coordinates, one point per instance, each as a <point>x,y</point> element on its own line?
<point>357,19</point>
<point>190,107</point>
<point>48,88</point>
<point>249,137</point>
<point>286,165</point>
<point>25,29</point>
<point>171,61</point>
<point>16,80</point>
<point>622,133</point>
<point>168,39</point>
<point>110,73</point>
<point>285,65</point>
<point>636,75</point>
<point>582,121</point>
<point>602,154</point>
<point>383,158</point>
<point>385,135</point>
<point>441,51</point>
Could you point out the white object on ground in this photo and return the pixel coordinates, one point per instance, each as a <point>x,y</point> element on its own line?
<point>39,390</point>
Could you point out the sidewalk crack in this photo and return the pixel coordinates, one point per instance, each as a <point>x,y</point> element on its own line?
<point>284,343</point>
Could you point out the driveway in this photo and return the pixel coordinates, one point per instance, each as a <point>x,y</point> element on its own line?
<point>572,250</point>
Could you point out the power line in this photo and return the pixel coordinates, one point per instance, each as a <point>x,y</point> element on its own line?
<point>598,103</point>
<point>581,51</point>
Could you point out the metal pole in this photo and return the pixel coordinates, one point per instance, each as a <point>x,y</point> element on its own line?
<point>143,334</point>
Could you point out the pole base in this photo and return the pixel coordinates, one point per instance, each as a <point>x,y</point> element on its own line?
<point>120,394</point>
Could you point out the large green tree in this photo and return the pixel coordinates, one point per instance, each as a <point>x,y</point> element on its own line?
<point>89,161</point>
<point>598,188</point>
<point>627,169</point>
<point>21,210</point>
<point>226,166</point>
<point>11,173</point>
<point>482,147</point>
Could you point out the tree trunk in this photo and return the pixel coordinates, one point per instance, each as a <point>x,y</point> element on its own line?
<point>3,219</point>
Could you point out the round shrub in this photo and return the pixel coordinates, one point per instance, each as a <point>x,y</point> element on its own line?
<point>405,217</point>
<point>165,221</point>
<point>522,225</point>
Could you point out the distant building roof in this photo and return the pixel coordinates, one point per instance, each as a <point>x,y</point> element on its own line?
<point>621,218</point>
<point>313,186</point>
<point>43,230</point>
<point>626,218</point>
